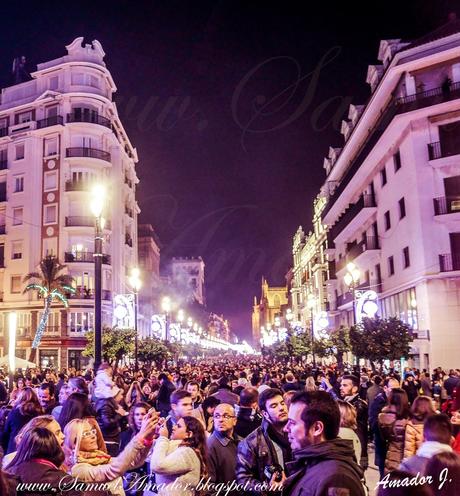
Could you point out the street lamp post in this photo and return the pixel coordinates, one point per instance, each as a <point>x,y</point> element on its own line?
<point>311,303</point>
<point>166,305</point>
<point>351,278</point>
<point>97,205</point>
<point>136,284</point>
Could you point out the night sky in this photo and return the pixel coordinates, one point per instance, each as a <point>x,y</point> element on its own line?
<point>232,106</point>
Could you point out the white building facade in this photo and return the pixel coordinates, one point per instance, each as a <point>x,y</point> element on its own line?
<point>393,195</point>
<point>60,133</point>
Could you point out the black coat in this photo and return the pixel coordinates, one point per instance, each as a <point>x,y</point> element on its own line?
<point>363,428</point>
<point>164,397</point>
<point>222,457</point>
<point>320,468</point>
<point>247,421</point>
<point>14,423</point>
<point>108,419</point>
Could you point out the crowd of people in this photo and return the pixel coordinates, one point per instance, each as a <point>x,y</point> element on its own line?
<point>230,426</point>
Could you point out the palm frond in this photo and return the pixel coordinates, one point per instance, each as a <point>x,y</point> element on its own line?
<point>38,287</point>
<point>70,289</point>
<point>61,297</point>
<point>31,275</point>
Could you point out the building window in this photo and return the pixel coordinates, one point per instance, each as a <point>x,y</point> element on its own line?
<point>2,255</point>
<point>78,78</point>
<point>54,83</point>
<point>391,266</point>
<point>18,184</point>
<point>17,216</point>
<point>387,220</point>
<point>50,214</point>
<point>51,146</point>
<point>406,258</point>
<point>397,161</point>
<point>81,322</point>
<point>383,176</point>
<point>19,151</point>
<point>50,181</point>
<point>48,359</point>
<point>24,117</point>
<point>16,250</point>
<point>402,208</point>
<point>15,284</point>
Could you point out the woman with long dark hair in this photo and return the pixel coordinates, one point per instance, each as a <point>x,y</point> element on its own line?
<point>76,406</point>
<point>27,407</point>
<point>45,421</point>
<point>37,460</point>
<point>392,424</point>
<point>179,469</point>
<point>422,407</point>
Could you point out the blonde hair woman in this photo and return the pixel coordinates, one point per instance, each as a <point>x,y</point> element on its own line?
<point>87,458</point>
<point>348,426</point>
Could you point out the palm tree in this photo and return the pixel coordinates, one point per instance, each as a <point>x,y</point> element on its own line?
<point>52,285</point>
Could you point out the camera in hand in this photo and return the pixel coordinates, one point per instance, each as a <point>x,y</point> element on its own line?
<point>269,470</point>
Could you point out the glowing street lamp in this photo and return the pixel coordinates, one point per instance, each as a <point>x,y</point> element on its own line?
<point>97,206</point>
<point>351,279</point>
<point>311,304</point>
<point>166,305</point>
<point>136,283</point>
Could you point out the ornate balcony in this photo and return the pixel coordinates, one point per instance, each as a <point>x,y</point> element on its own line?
<point>77,186</point>
<point>50,121</point>
<point>81,151</point>
<point>84,257</point>
<point>354,217</point>
<point>449,262</point>
<point>90,118</point>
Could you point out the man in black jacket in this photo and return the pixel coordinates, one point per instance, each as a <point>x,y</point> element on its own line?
<point>164,394</point>
<point>263,455</point>
<point>349,390</point>
<point>323,463</point>
<point>248,418</point>
<point>111,418</point>
<point>380,401</point>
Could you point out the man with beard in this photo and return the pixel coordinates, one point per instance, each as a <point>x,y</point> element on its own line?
<point>349,390</point>
<point>263,455</point>
<point>323,463</point>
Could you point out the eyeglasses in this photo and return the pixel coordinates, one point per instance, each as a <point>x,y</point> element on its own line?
<point>86,434</point>
<point>225,416</point>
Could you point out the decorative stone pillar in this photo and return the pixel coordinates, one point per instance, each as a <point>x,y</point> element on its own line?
<point>410,85</point>
<point>456,72</point>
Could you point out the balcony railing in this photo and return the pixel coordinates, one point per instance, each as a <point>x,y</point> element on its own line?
<point>439,149</point>
<point>85,221</point>
<point>91,118</point>
<point>79,220</point>
<point>445,205</point>
<point>3,164</point>
<point>366,200</point>
<point>354,250</point>
<point>449,262</point>
<point>50,121</point>
<point>81,151</point>
<point>85,257</point>
<point>88,294</point>
<point>397,106</point>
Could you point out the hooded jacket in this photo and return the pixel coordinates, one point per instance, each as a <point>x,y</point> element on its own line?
<point>319,468</point>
